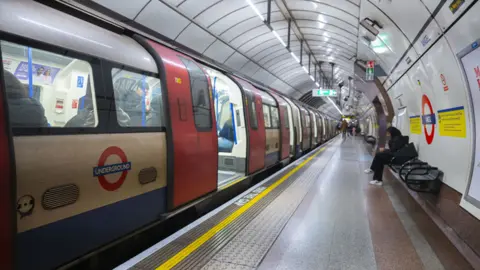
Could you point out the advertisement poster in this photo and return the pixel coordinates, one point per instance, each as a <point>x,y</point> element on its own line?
<point>41,74</point>
<point>470,59</point>
<point>452,122</point>
<point>415,124</point>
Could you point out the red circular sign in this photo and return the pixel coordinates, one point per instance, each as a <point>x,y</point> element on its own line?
<point>428,136</point>
<point>112,150</point>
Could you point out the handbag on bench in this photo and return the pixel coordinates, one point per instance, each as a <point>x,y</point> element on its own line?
<point>406,153</point>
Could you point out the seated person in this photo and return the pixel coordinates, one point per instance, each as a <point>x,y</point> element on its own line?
<point>384,157</point>
<point>23,111</point>
<point>226,137</point>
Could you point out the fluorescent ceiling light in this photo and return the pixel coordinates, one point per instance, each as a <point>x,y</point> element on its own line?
<point>331,58</point>
<point>294,56</point>
<point>255,9</point>
<point>321,25</point>
<point>304,68</point>
<point>380,50</point>
<point>325,34</point>
<point>311,77</point>
<point>321,18</point>
<point>335,105</point>
<point>279,38</point>
<point>318,85</point>
<point>326,39</point>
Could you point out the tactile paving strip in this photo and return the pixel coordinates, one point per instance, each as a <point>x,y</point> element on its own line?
<point>204,254</point>
<point>250,245</point>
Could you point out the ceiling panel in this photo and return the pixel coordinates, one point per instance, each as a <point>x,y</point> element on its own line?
<point>195,38</point>
<point>219,51</point>
<point>236,61</point>
<point>157,16</point>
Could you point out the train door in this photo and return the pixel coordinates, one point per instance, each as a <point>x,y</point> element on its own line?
<point>272,128</point>
<point>7,184</point>
<point>319,128</point>
<point>291,128</point>
<point>307,137</point>
<point>256,127</point>
<point>297,128</point>
<point>313,121</point>
<point>231,127</point>
<point>284,127</point>
<point>321,133</point>
<point>195,143</point>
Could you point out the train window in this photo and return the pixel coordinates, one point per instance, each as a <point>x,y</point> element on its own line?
<point>307,120</point>
<point>200,98</point>
<point>287,121</point>
<point>138,99</point>
<point>266,116</point>
<point>275,117</point>
<point>45,89</point>
<point>252,111</point>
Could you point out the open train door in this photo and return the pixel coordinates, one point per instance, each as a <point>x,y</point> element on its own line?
<point>192,136</point>
<point>7,185</point>
<point>256,127</point>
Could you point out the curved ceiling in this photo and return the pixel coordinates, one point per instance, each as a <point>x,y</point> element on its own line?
<point>237,35</point>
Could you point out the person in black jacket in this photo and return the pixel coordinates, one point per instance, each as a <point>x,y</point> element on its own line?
<point>384,157</point>
<point>24,111</point>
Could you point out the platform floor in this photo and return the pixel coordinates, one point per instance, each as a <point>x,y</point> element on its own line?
<point>319,213</point>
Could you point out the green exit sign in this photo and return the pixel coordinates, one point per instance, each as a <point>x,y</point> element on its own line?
<point>324,93</point>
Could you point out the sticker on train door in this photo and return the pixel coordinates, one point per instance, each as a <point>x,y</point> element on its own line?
<point>102,170</point>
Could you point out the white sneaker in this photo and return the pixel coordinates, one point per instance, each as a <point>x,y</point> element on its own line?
<point>375,182</point>
<point>368,171</point>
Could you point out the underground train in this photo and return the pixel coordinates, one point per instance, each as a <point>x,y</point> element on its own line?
<point>101,133</point>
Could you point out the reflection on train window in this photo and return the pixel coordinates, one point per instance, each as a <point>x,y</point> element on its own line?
<point>252,110</point>
<point>138,99</point>
<point>46,89</point>
<point>307,120</point>
<point>266,116</point>
<point>200,97</point>
<point>275,117</point>
<point>285,117</point>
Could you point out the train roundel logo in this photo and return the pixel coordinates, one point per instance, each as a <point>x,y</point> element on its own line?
<point>104,169</point>
<point>428,119</point>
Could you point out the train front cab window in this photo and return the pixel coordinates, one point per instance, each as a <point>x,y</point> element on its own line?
<point>138,99</point>
<point>46,89</point>
<point>231,130</point>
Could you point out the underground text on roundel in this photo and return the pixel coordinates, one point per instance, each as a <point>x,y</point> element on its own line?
<point>112,168</point>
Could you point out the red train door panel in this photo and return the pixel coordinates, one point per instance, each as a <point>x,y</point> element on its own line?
<point>284,128</point>
<point>7,183</point>
<point>195,144</point>
<point>256,127</point>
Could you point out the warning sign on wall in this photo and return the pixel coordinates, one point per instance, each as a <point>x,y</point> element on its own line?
<point>452,122</point>
<point>415,124</point>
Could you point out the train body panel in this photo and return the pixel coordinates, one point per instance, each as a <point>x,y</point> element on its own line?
<point>73,195</point>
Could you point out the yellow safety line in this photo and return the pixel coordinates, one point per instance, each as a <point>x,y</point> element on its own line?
<point>233,183</point>
<point>220,226</point>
